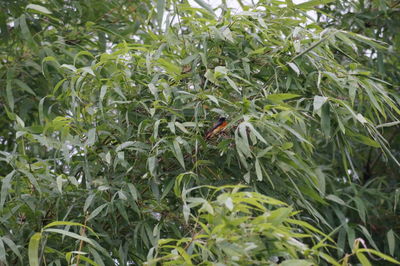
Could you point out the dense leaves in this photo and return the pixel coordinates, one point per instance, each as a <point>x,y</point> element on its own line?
<point>102,135</point>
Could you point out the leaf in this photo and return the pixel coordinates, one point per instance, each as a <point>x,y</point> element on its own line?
<point>70,234</point>
<point>88,202</point>
<point>280,97</point>
<point>97,258</point>
<point>241,141</point>
<point>360,208</point>
<point>206,6</point>
<point>368,236</point>
<point>41,111</point>
<point>160,12</point>
<point>33,249</point>
<point>97,211</point>
<point>5,187</point>
<point>58,85</point>
<point>169,67</point>
<point>364,39</point>
<point>178,153</point>
<point>186,212</point>
<point>32,179</point>
<point>80,54</point>
<point>189,59</point>
<point>297,263</point>
<point>364,261</point>
<point>329,259</point>
<point>91,262</point>
<point>2,251</point>
<point>181,127</point>
<point>153,89</point>
<point>59,182</point>
<point>233,84</point>
<point>24,86</point>
<point>294,67</point>
<point>9,93</point>
<point>67,223</point>
<point>12,246</point>
<point>380,254</point>
<point>133,191</point>
<point>125,145</point>
<point>228,203</point>
<point>325,120</point>
<point>220,71</point>
<point>258,170</point>
<point>391,241</point>
<point>311,4</point>
<point>91,137</point>
<point>318,102</point>
<point>40,9</point>
<point>390,124</point>
<point>69,67</point>
<point>336,199</point>
<point>152,164</point>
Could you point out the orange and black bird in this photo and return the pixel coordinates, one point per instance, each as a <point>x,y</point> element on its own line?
<point>217,128</point>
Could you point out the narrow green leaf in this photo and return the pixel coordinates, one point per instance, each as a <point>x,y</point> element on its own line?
<point>233,84</point>
<point>2,251</point>
<point>311,4</point>
<point>318,102</point>
<point>258,170</point>
<point>5,187</point>
<point>32,179</point>
<point>40,9</point>
<point>280,97</point>
<point>160,12</point>
<point>12,246</point>
<point>169,67</point>
<point>363,259</point>
<point>391,241</point>
<point>335,199</point>
<point>294,67</point>
<point>178,153</point>
<point>297,263</point>
<point>59,181</point>
<point>206,6</point>
<point>380,254</point>
<point>88,202</point>
<point>390,124</point>
<point>152,164</point>
<point>80,54</point>
<point>133,191</point>
<point>97,258</point>
<point>125,145</point>
<point>91,137</point>
<point>91,262</point>
<point>328,258</point>
<point>24,86</point>
<point>97,211</point>
<point>9,93</point>
<point>70,234</point>
<point>33,249</point>
<point>325,120</point>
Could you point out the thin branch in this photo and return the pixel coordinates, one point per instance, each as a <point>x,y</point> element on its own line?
<point>83,229</point>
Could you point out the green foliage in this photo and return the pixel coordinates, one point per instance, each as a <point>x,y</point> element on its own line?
<point>102,135</point>
<point>238,227</point>
<point>248,228</point>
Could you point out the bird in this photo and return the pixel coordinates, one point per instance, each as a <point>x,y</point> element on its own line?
<point>217,128</point>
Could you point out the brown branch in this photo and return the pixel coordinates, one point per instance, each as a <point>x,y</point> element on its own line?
<point>83,229</point>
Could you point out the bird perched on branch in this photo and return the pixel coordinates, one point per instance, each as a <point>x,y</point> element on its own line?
<point>217,128</point>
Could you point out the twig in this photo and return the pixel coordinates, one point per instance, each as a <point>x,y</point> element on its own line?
<point>83,229</point>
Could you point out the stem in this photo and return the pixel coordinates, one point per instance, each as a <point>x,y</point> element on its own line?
<point>83,229</point>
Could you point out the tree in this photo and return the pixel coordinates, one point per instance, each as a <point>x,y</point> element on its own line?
<point>103,149</point>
